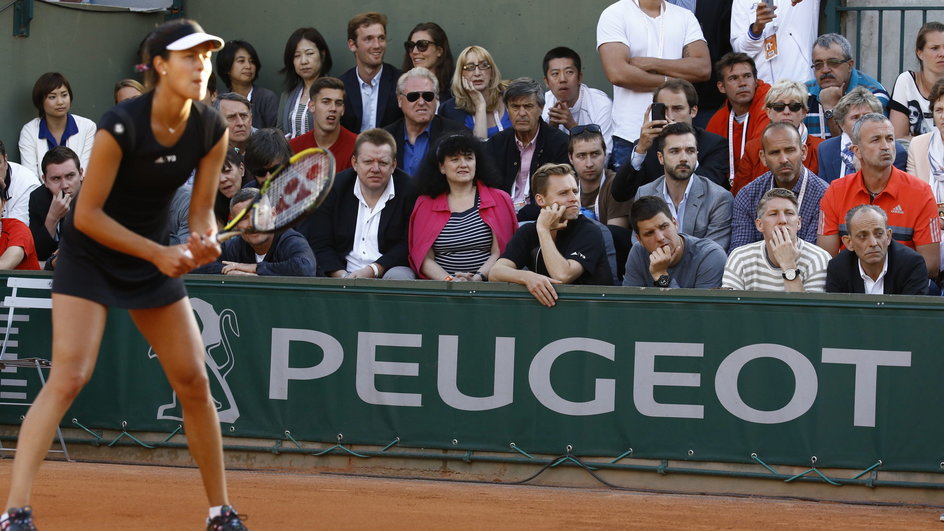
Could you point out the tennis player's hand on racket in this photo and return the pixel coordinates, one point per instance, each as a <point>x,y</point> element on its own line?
<point>204,248</point>
<point>174,260</point>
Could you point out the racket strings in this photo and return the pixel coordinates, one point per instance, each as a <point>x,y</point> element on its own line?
<point>292,193</point>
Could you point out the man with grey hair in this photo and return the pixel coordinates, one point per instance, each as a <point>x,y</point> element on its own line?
<point>420,127</point>
<point>835,154</point>
<point>834,76</point>
<point>907,201</point>
<point>237,111</point>
<point>529,144</point>
<point>873,262</point>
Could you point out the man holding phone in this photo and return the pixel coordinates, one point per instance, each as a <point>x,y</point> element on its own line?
<point>674,101</point>
<point>49,204</point>
<point>777,34</point>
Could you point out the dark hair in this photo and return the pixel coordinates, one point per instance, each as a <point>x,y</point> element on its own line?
<point>446,65</point>
<point>675,128</point>
<point>226,57</point>
<point>211,84</point>
<point>234,96</point>
<point>155,45</point>
<point>679,85</point>
<point>288,56</point>
<point>3,153</point>
<point>586,134</point>
<point>647,207</point>
<point>779,126</point>
<point>430,181</point>
<point>221,204</point>
<point>937,90</point>
<point>364,19</point>
<point>377,137</point>
<point>47,83</point>
<point>733,58</point>
<point>922,39</point>
<point>545,171</point>
<point>325,82</point>
<point>561,52</point>
<point>58,155</point>
<point>244,194</point>
<point>524,87</point>
<point>264,146</point>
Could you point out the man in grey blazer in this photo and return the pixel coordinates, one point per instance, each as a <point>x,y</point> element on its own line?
<point>702,208</point>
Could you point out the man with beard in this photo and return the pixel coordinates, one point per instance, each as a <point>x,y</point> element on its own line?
<point>783,153</point>
<point>701,207</point>
<point>561,247</point>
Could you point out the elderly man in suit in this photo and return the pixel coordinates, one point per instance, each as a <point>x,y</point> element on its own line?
<point>702,208</point>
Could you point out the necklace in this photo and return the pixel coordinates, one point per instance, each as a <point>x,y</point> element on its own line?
<point>173,130</point>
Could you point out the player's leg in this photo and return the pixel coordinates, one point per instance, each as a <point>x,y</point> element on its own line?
<point>77,326</point>
<point>173,334</point>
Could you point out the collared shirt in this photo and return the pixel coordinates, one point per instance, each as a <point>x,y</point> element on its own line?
<point>687,4</point>
<point>874,287</point>
<point>593,106</point>
<point>679,211</point>
<point>413,153</point>
<point>366,248</point>
<point>815,121</point>
<point>370,92</point>
<point>522,188</point>
<point>743,228</point>
<point>44,132</point>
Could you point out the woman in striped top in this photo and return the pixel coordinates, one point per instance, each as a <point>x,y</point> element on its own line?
<point>461,223</point>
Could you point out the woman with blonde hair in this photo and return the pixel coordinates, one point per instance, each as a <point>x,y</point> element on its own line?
<point>477,94</point>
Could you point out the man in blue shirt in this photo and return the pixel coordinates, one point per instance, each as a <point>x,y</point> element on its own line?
<point>835,76</point>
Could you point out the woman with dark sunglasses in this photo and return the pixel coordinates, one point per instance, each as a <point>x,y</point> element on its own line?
<point>428,47</point>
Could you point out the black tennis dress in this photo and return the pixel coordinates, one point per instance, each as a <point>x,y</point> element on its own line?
<point>148,177</point>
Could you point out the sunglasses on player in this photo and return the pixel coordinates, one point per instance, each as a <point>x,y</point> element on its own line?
<point>427,95</point>
<point>421,45</point>
<point>779,107</point>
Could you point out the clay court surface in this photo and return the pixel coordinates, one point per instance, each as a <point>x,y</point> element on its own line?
<point>111,497</point>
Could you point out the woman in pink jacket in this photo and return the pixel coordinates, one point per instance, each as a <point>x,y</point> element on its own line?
<point>461,223</point>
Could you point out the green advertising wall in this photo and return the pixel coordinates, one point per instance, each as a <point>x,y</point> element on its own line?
<point>682,375</point>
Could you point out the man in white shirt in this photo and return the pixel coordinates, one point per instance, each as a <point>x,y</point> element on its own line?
<point>641,44</point>
<point>779,38</point>
<point>569,102</point>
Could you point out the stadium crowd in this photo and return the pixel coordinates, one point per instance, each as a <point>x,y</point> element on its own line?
<point>751,154</point>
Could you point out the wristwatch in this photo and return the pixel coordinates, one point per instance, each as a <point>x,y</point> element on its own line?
<point>828,114</point>
<point>791,274</point>
<point>663,281</point>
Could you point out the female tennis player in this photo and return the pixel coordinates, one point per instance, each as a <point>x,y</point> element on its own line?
<point>112,255</point>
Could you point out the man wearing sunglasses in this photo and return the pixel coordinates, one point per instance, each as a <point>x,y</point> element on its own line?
<point>265,152</point>
<point>420,127</point>
<point>834,76</point>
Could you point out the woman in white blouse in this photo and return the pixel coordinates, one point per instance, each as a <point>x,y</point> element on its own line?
<point>55,126</point>
<point>926,152</point>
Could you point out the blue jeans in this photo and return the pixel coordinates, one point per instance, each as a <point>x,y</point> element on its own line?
<point>622,149</point>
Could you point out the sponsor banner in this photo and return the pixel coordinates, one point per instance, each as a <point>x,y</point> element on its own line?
<point>686,375</point>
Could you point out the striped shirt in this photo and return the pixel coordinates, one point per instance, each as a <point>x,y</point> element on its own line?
<point>748,268</point>
<point>464,244</point>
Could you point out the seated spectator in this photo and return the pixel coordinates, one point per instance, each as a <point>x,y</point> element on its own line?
<point>561,247</point>
<point>907,201</point>
<point>370,98</point>
<point>781,261</point>
<point>834,76</point>
<point>587,153</point>
<point>873,262</point>
<point>16,243</point>
<point>835,154</point>
<point>238,66</point>
<point>701,207</point>
<point>783,153</point>
<point>527,145</point>
<point>49,204</point>
<point>18,182</point>
<point>56,126</point>
<point>420,128</point>
<point>237,111</point>
<point>326,107</point>
<point>428,47</point>
<point>360,231</point>
<point>266,151</point>
<point>284,254</point>
<point>744,109</point>
<point>477,94</point>
<point>643,166</point>
<point>568,101</point>
<point>212,93</point>
<point>910,109</point>
<point>306,58</point>
<point>461,222</point>
<point>926,152</point>
<point>667,258</point>
<point>786,102</point>
<point>127,89</point>
<point>232,177</point>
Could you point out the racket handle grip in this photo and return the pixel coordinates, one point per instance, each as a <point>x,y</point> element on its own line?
<point>223,236</point>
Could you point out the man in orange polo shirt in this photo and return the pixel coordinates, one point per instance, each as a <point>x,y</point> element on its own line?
<point>908,201</point>
<point>744,108</point>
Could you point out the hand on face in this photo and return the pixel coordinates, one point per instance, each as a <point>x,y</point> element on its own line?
<point>550,218</point>
<point>783,249</point>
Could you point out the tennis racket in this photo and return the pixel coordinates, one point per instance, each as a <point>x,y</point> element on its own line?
<point>292,192</point>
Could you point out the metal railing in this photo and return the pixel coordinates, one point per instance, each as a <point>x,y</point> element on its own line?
<point>868,26</point>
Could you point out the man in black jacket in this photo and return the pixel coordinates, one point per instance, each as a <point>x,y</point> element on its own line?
<point>529,144</point>
<point>49,204</point>
<point>369,86</point>
<point>643,167</point>
<point>873,262</point>
<point>361,229</point>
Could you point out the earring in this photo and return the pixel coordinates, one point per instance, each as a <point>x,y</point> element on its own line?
<point>164,73</point>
